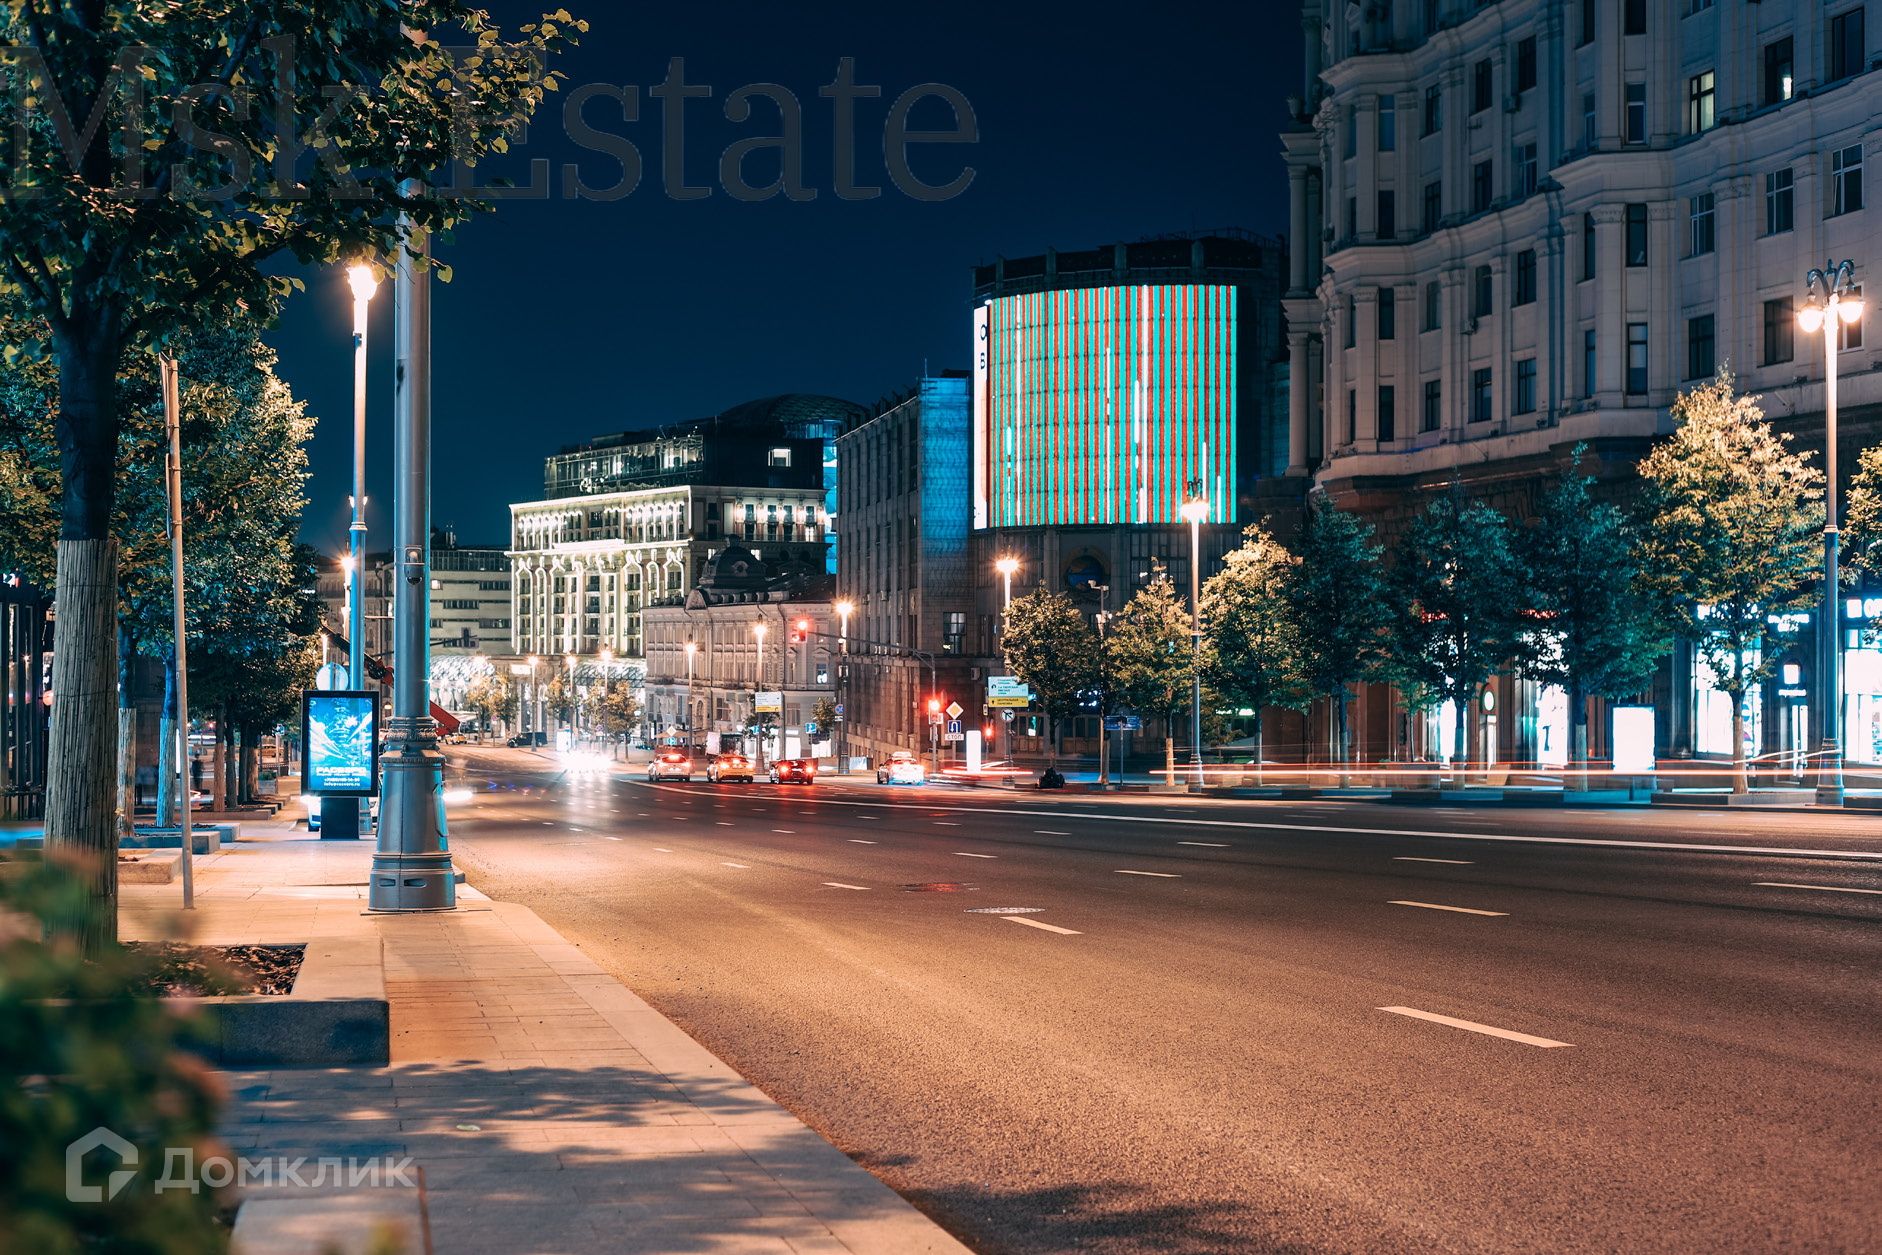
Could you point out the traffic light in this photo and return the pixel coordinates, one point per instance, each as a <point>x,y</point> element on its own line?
<point>800,631</point>
<point>934,705</point>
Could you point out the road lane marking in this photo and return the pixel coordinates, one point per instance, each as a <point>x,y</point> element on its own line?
<point>786,831</point>
<point>740,866</point>
<point>662,849</point>
<point>1433,906</point>
<point>860,841</point>
<point>1472,1026</point>
<point>1213,845</point>
<point>1050,832</point>
<point>942,823</point>
<point>1041,924</point>
<point>837,884</point>
<point>1779,884</point>
<point>614,838</point>
<point>1413,858</point>
<point>1161,875</point>
<point>724,823</point>
<point>965,854</point>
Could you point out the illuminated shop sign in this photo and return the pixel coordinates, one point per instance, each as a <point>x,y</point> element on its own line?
<point>1104,405</point>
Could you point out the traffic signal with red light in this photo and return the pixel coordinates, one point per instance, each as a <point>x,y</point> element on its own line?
<point>800,631</point>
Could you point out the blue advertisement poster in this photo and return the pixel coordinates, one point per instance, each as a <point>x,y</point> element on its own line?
<point>340,743</point>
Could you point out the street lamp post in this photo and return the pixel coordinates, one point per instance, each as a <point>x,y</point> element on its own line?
<point>1831,305</point>
<point>336,812</point>
<point>411,868</point>
<point>535,701</point>
<point>692,649</point>
<point>758,630</point>
<point>1195,510</point>
<point>1104,695</point>
<point>1007,566</point>
<point>843,611</point>
<point>575,706</point>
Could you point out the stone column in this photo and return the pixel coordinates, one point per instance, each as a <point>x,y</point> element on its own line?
<point>1299,394</point>
<point>1297,228</point>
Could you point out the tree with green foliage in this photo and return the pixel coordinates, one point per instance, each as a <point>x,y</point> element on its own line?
<point>1596,632</point>
<point>1341,609</point>
<point>612,710</point>
<point>823,714</point>
<point>1731,540</point>
<point>1862,516</point>
<point>1053,650</point>
<point>227,139</point>
<point>1150,656</point>
<point>492,698</point>
<point>1458,584</point>
<point>1252,641</point>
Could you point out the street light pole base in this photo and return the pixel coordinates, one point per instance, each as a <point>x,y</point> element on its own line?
<point>411,871</point>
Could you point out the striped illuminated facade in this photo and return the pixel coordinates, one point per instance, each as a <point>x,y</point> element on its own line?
<point>1102,405</point>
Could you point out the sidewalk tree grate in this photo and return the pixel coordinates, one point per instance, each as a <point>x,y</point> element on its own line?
<point>1005,910</point>
<point>940,886</point>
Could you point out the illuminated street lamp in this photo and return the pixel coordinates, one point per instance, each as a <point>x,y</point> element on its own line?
<point>844,609</point>
<point>1195,510</point>
<point>692,650</point>
<point>575,707</point>
<point>1832,303</point>
<point>1006,566</point>
<point>535,697</point>
<point>758,630</point>
<point>347,818</point>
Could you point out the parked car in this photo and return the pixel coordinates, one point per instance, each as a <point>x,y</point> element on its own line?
<point>670,765</point>
<point>527,740</point>
<point>729,767</point>
<point>794,771</point>
<point>902,767</point>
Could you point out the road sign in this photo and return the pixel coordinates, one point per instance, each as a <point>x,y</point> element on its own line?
<point>954,711</point>
<point>331,677</point>
<point>954,725</point>
<point>1005,691</point>
<point>1123,723</point>
<point>1007,715</point>
<point>767,703</point>
<point>810,729</point>
<point>839,708</point>
<point>953,738</point>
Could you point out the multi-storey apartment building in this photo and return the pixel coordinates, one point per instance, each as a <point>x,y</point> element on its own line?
<point>1522,226</point>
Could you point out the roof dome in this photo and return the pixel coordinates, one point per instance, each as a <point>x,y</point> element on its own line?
<point>799,413</point>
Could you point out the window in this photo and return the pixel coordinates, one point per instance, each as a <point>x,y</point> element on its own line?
<point>1590,133</point>
<point>1434,305</point>
<point>1481,295</point>
<point>1525,400</point>
<point>1525,182</point>
<point>1589,363</point>
<point>1846,44</point>
<point>1433,414</point>
<point>1700,349</point>
<point>779,457</point>
<point>1352,415</point>
<point>1352,321</point>
<point>1634,17</point>
<point>1779,331</point>
<point>1431,17</point>
<point>1388,413</point>
<point>1524,286</point>
<point>1850,333</point>
<point>1587,246</point>
<point>1636,235</point>
<point>1525,63</point>
<point>1700,222</point>
<point>1388,313</point>
<point>1480,92</point>
<point>1480,186</point>
<point>1701,102</point>
<point>1587,23</point>
<point>1480,395</point>
<point>1433,119</point>
<point>1696,6</point>
<point>1636,358</point>
<point>1350,144</point>
<point>1846,180</point>
<point>1777,201</point>
<point>1388,124</point>
<point>1433,206</point>
<point>1636,114</point>
<point>1779,60</point>
<point>1387,223</point>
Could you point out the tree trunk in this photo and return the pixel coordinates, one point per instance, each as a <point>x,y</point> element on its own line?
<point>225,728</point>
<point>1345,742</point>
<point>1577,740</point>
<point>166,747</point>
<point>1169,753</point>
<point>213,776</point>
<point>1260,777</point>
<point>127,738</point>
<point>1460,740</point>
<point>1739,782</point>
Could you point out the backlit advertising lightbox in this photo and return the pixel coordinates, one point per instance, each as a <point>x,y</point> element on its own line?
<point>1104,405</point>
<point>340,743</point>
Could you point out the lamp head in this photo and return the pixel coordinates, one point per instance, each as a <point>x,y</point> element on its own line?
<point>1195,510</point>
<point>692,647</point>
<point>364,281</point>
<point>1810,317</point>
<point>1849,309</point>
<point>1006,566</point>
<point>533,660</point>
<point>844,609</point>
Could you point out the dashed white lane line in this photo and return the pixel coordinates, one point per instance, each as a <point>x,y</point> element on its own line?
<point>1042,925</point>
<point>1433,906</point>
<point>1124,871</point>
<point>723,823</point>
<point>1213,845</point>
<point>786,831</point>
<point>965,854</point>
<point>942,823</point>
<point>1051,832</point>
<point>837,884</point>
<point>615,838</point>
<point>740,866</point>
<point>860,841</point>
<point>1472,1026</point>
<point>1779,884</point>
<point>1413,858</point>
<point>662,849</point>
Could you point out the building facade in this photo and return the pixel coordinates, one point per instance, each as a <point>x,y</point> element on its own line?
<point>743,630</point>
<point>906,567</point>
<point>1521,227</point>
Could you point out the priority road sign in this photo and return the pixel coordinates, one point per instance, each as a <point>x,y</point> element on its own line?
<point>954,712</point>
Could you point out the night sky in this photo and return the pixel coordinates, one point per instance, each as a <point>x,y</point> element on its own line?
<point>567,320</point>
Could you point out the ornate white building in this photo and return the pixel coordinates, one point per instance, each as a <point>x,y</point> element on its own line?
<point>1521,225</point>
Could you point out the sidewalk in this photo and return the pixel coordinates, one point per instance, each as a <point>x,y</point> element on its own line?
<point>548,1108</point>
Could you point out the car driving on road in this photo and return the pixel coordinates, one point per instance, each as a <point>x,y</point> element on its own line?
<point>729,767</point>
<point>794,771</point>
<point>670,765</point>
<point>902,767</point>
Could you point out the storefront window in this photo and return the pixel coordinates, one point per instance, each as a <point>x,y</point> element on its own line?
<point>1552,728</point>
<point>1712,713</point>
<point>1862,709</point>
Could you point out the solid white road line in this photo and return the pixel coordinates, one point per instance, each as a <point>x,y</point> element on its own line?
<point>837,884</point>
<point>1779,884</point>
<point>1433,906</point>
<point>1160,875</point>
<point>860,841</point>
<point>741,866</point>
<point>1050,832</point>
<point>1213,845</point>
<point>965,854</point>
<point>1472,1026</point>
<point>1413,858</point>
<point>1042,925</point>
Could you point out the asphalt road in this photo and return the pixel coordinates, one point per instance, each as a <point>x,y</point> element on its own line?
<point>1213,1030</point>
